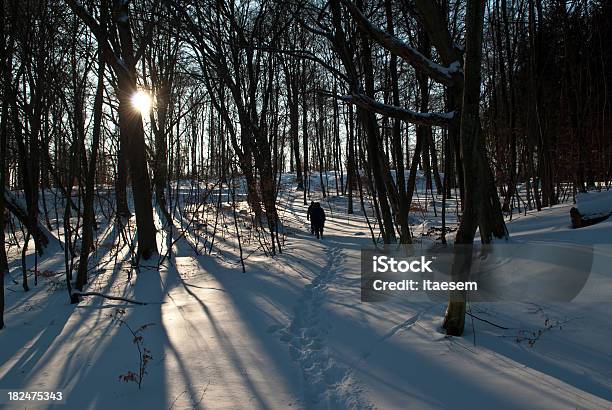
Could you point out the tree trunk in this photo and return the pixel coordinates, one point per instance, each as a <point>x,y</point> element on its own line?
<point>434,162</point>
<point>88,202</point>
<point>320,130</point>
<point>5,76</point>
<point>373,144</point>
<point>161,151</point>
<point>350,165</point>
<point>294,120</point>
<point>398,150</point>
<point>121,176</point>
<point>482,208</point>
<point>131,126</point>
<point>305,136</point>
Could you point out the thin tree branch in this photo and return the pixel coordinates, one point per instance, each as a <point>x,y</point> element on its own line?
<point>136,302</point>
<point>428,119</point>
<point>437,72</point>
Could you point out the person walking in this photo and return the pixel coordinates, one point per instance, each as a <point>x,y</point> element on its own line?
<point>309,217</point>
<point>317,216</point>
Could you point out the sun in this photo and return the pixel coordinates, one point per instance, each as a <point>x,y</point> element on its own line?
<point>141,101</point>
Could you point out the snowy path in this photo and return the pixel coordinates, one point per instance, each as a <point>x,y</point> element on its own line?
<point>327,383</point>
<point>222,350</point>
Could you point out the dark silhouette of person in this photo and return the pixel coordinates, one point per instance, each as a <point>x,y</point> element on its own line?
<point>308,216</point>
<point>317,217</point>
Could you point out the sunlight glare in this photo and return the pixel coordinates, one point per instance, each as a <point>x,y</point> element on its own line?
<point>141,101</point>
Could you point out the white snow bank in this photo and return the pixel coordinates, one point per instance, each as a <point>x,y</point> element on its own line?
<point>594,204</point>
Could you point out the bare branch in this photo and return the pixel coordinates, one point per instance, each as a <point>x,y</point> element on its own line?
<point>429,119</point>
<point>109,55</point>
<point>136,302</point>
<point>437,72</point>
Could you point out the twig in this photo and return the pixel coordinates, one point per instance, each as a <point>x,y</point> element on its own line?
<point>136,302</point>
<point>486,321</point>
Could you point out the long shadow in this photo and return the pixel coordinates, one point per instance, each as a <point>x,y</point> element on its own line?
<point>228,347</point>
<point>30,345</point>
<point>39,328</point>
<point>82,338</point>
<point>243,299</point>
<point>109,286</point>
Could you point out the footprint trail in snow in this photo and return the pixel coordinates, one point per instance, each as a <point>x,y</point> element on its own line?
<point>327,383</point>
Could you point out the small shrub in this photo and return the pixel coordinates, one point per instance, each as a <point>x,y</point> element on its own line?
<point>144,354</point>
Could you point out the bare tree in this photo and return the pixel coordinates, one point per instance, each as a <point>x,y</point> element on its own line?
<point>123,62</point>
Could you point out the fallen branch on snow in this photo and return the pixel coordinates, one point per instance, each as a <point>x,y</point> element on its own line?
<point>486,321</point>
<point>136,302</point>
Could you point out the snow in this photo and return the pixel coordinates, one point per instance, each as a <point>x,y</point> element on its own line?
<point>292,331</point>
<point>453,68</point>
<point>594,204</point>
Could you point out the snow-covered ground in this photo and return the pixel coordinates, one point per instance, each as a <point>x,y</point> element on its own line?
<point>292,331</point>
<point>594,204</point>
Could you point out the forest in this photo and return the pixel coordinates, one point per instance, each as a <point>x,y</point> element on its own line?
<point>139,136</point>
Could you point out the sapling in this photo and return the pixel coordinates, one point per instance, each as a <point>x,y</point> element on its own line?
<point>144,354</point>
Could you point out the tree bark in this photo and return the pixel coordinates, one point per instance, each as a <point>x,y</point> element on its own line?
<point>123,210</point>
<point>404,204</point>
<point>482,208</point>
<point>88,202</point>
<point>294,121</point>
<point>350,165</point>
<point>130,122</point>
<point>375,155</point>
<point>305,135</point>
<point>4,75</point>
